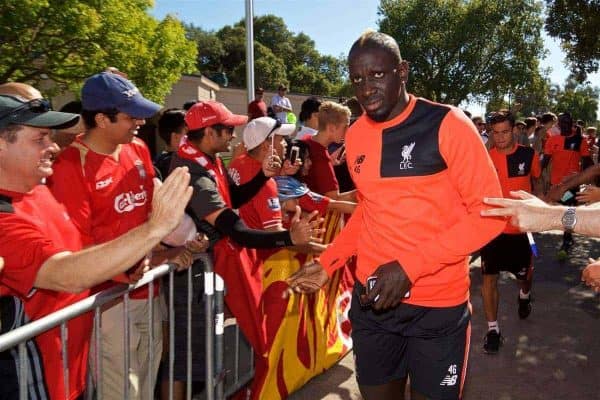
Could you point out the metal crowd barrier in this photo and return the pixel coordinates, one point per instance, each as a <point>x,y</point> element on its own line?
<point>218,379</point>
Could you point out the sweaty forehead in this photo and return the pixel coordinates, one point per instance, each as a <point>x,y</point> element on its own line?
<point>371,57</point>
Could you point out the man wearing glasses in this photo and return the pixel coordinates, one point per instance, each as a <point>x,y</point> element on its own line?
<point>45,267</point>
<point>210,131</point>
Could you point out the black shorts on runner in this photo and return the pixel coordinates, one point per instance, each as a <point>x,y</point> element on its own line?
<point>507,252</point>
<point>428,344</point>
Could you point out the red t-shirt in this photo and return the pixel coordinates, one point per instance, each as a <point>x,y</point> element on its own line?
<point>515,170</point>
<point>37,228</point>
<point>321,176</point>
<point>422,177</point>
<point>257,109</point>
<point>263,211</point>
<point>105,196</point>
<point>566,152</point>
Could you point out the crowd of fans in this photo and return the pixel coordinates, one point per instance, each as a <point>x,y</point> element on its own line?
<point>91,213</point>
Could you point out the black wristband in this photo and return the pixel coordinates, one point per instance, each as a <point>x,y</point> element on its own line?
<point>230,224</point>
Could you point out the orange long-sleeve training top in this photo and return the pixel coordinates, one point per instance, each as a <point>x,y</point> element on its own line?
<point>421,177</point>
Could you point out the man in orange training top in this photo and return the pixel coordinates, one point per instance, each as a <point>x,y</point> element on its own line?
<point>510,251</point>
<point>422,172</point>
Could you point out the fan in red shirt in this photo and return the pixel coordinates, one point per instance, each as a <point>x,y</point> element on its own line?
<point>44,267</point>
<point>422,172</point>
<point>105,180</point>
<point>334,120</point>
<point>257,107</point>
<point>516,166</point>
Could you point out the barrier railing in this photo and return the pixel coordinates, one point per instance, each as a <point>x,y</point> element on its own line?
<point>214,325</point>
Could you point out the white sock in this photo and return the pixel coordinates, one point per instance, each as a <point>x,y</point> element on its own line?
<point>523,295</point>
<point>493,325</point>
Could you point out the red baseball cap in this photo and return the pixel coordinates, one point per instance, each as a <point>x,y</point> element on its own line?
<point>208,113</point>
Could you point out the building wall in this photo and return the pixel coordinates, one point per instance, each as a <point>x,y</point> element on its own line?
<point>196,87</point>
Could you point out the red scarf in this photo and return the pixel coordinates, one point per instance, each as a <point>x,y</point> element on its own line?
<point>188,151</point>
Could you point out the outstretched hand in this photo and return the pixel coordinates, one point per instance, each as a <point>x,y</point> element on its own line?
<point>591,275</point>
<point>308,279</point>
<point>169,200</point>
<point>389,290</point>
<point>591,194</point>
<point>527,212</point>
<point>305,229</point>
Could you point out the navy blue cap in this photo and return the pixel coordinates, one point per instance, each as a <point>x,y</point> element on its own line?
<point>106,90</point>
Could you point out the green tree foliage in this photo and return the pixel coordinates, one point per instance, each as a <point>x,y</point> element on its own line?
<point>66,41</point>
<point>280,56</point>
<point>575,24</point>
<point>581,100</point>
<point>466,49</point>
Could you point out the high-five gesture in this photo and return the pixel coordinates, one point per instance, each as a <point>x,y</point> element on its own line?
<point>305,229</point>
<point>169,200</point>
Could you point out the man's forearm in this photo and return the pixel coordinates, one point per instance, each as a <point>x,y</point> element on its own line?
<point>588,220</point>
<point>75,272</point>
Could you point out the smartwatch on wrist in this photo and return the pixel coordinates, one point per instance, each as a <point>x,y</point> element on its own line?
<point>569,219</point>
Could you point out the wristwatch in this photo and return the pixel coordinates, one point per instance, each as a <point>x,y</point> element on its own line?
<point>569,219</point>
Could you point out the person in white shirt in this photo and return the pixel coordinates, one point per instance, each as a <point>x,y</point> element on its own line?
<point>281,104</point>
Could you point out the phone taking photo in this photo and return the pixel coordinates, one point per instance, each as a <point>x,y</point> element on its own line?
<point>294,153</point>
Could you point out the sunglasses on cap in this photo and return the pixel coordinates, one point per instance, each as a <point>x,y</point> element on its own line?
<point>37,106</point>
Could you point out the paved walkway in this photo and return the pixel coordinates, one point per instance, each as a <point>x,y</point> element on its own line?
<point>554,354</point>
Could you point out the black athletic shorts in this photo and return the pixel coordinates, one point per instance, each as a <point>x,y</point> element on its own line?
<point>507,252</point>
<point>430,345</point>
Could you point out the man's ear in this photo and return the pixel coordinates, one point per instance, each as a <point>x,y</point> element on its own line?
<point>3,144</point>
<point>101,120</point>
<point>403,68</point>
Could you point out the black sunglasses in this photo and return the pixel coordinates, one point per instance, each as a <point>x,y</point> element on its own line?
<point>220,127</point>
<point>37,106</point>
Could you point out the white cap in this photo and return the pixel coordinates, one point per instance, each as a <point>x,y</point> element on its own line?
<point>257,130</point>
<point>185,232</point>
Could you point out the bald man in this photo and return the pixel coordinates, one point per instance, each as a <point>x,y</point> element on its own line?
<point>62,137</point>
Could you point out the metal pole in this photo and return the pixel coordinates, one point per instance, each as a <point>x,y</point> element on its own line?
<point>98,350</point>
<point>151,340</point>
<point>190,295</point>
<point>171,332</point>
<point>250,50</point>
<point>23,372</point>
<point>64,339</point>
<point>209,289</point>
<point>219,335</point>
<point>126,346</point>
